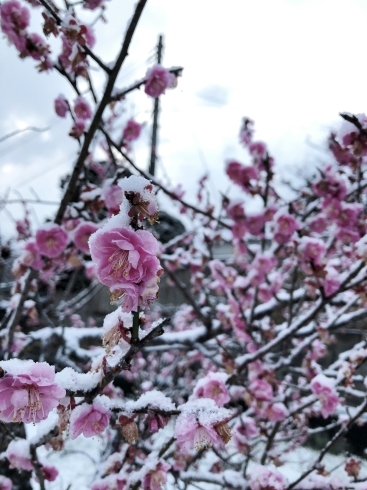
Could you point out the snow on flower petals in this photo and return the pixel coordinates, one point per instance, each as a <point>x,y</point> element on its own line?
<point>51,240</point>
<point>18,455</point>
<point>264,478</point>
<point>202,424</point>
<point>89,420</point>
<point>213,386</point>
<point>323,388</point>
<point>28,391</point>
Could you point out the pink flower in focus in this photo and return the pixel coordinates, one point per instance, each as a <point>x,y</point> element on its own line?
<point>82,235</point>
<point>18,455</point>
<point>265,478</point>
<point>89,420</point>
<point>28,395</point>
<point>127,263</point>
<point>82,109</point>
<point>131,131</point>
<point>202,424</point>
<point>51,240</point>
<point>213,386</point>
<point>157,477</point>
<point>285,226</point>
<point>5,483</point>
<point>261,390</point>
<point>158,80</point>
<point>324,389</point>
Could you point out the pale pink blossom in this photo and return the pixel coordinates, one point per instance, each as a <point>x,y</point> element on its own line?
<point>36,47</point>
<point>276,412</point>
<point>113,196</point>
<point>255,224</point>
<point>29,394</point>
<point>82,109</point>
<point>331,282</point>
<point>324,389</point>
<point>19,455</point>
<point>61,106</point>
<point>261,390</point>
<point>257,149</point>
<point>157,81</point>
<point>266,478</point>
<point>5,483</point>
<point>82,234</point>
<point>157,477</point>
<point>127,263</point>
<point>213,386</point>
<point>89,420</point>
<point>131,131</point>
<point>51,240</point>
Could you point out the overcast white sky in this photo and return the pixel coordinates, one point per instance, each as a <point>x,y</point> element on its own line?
<point>291,65</point>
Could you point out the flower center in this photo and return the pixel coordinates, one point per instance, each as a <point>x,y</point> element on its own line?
<point>120,260</point>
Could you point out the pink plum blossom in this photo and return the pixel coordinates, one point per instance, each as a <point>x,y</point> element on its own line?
<point>213,386</point>
<point>324,389</point>
<point>330,185</point>
<point>82,234</point>
<point>50,473</point>
<point>113,196</point>
<point>157,477</point>
<point>82,109</point>
<point>266,478</point>
<point>89,420</point>
<point>257,149</point>
<point>202,424</point>
<point>277,412</point>
<point>51,240</point>
<point>157,81</point>
<point>331,282</point>
<point>126,262</point>
<point>93,4</point>
<point>18,455</point>
<point>313,250</point>
<point>241,174</point>
<point>5,483</point>
<point>61,106</point>
<point>31,256</point>
<point>14,22</point>
<point>78,128</point>
<point>28,392</point>
<point>285,226</point>
<point>131,131</point>
<point>261,390</point>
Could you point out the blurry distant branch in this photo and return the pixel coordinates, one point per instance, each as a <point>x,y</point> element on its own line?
<point>31,201</point>
<point>18,131</point>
